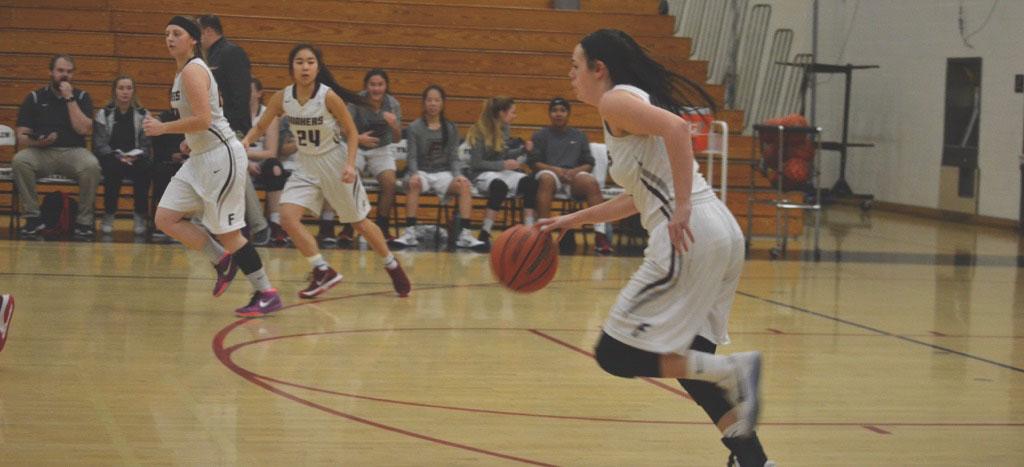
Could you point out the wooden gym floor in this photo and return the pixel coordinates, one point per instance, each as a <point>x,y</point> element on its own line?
<point>903,346</point>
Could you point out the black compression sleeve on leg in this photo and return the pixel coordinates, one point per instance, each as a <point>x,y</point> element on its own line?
<point>625,361</point>
<point>496,193</point>
<point>248,259</point>
<point>748,451</point>
<point>528,188</point>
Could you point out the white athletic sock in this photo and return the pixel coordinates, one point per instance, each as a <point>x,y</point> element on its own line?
<point>704,366</point>
<point>213,251</point>
<point>528,220</point>
<point>488,223</point>
<point>275,217</point>
<point>390,262</point>
<point>259,280</point>
<point>601,228</point>
<point>317,261</point>
<point>735,430</point>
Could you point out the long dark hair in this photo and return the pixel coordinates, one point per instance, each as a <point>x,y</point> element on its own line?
<point>324,75</point>
<point>378,72</point>
<point>629,63</point>
<point>444,120</point>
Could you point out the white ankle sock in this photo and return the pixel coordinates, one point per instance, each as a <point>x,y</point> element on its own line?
<point>317,261</point>
<point>734,430</point>
<point>390,262</point>
<point>704,366</point>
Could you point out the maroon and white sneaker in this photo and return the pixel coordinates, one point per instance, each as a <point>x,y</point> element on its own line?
<point>320,281</point>
<point>601,244</point>
<point>399,280</point>
<point>226,269</point>
<point>261,304</point>
<point>6,315</point>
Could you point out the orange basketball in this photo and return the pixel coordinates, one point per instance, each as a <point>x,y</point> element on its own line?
<point>804,151</point>
<point>797,171</point>
<point>524,259</point>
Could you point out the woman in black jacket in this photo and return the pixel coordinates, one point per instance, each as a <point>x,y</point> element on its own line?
<point>124,151</point>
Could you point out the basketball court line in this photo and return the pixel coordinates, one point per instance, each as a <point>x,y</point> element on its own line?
<point>873,426</point>
<point>880,331</point>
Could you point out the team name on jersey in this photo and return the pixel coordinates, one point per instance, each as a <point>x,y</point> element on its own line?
<point>306,121</point>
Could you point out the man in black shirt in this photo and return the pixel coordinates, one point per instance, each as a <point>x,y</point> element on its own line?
<point>232,70</point>
<point>562,163</point>
<point>52,124</point>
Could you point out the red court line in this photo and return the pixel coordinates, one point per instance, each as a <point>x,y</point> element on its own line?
<point>225,358</point>
<point>224,355</point>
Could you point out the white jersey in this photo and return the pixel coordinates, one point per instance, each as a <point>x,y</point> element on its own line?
<point>640,164</point>
<point>219,132</point>
<point>312,124</point>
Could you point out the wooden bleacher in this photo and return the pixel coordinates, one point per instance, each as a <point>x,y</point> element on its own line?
<point>471,47</point>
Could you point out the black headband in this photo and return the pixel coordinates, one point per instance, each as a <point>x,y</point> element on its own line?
<point>188,25</point>
<point>559,101</point>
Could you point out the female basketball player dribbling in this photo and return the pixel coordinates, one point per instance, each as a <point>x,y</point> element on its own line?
<point>670,317</point>
<point>212,181</point>
<point>313,106</point>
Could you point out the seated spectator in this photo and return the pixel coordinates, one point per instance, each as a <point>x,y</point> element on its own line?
<point>379,125</point>
<point>562,163</point>
<point>52,124</point>
<point>264,166</point>
<point>433,167</point>
<point>496,162</point>
<point>168,155</point>
<point>124,151</point>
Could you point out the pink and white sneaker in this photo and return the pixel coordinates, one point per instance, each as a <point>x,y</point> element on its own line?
<point>6,315</point>
<point>226,269</point>
<point>261,304</point>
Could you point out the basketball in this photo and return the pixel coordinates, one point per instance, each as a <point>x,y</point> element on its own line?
<point>524,259</point>
<point>803,151</point>
<point>797,171</point>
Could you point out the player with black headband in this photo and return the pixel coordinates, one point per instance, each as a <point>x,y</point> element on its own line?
<point>212,180</point>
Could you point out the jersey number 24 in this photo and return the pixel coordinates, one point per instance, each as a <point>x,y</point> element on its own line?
<point>308,138</point>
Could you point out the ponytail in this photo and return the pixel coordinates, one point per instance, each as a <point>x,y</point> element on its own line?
<point>487,129</point>
<point>629,63</point>
<point>324,75</point>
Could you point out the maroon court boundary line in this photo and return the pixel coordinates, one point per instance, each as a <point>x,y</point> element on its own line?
<point>224,356</point>
<point>871,426</point>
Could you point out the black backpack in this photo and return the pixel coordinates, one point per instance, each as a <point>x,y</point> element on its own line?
<point>58,213</point>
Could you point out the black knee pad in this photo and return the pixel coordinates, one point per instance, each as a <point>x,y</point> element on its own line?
<point>268,179</point>
<point>497,191</point>
<point>624,361</point>
<point>528,188</point>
